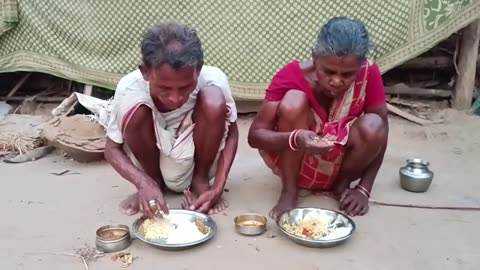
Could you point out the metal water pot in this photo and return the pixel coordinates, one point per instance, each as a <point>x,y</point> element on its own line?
<point>416,176</point>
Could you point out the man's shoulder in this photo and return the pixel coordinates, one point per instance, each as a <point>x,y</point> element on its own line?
<point>133,79</point>
<point>209,71</point>
<point>210,75</point>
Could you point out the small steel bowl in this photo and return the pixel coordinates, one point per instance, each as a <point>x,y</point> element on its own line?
<point>250,224</point>
<point>113,238</point>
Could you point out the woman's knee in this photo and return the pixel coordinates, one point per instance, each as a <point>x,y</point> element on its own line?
<point>294,106</point>
<point>372,129</point>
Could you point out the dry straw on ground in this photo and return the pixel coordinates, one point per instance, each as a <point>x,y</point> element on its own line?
<point>14,142</point>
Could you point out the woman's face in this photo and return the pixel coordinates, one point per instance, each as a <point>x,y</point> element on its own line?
<point>336,74</point>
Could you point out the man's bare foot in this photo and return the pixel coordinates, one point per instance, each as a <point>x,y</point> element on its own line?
<point>286,202</point>
<point>130,206</point>
<point>219,207</point>
<point>199,186</point>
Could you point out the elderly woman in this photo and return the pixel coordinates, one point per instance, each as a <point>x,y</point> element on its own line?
<point>323,123</point>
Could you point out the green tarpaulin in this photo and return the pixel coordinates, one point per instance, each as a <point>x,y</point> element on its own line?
<point>97,42</point>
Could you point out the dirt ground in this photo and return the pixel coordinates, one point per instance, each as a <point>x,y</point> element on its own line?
<point>45,213</point>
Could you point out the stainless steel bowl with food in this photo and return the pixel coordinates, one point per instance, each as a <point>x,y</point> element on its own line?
<point>113,238</point>
<point>250,224</point>
<point>181,229</point>
<point>316,227</point>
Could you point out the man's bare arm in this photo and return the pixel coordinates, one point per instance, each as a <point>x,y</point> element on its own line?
<point>137,135</point>
<point>119,160</point>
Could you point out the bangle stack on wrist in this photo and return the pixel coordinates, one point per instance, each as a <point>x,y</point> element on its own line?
<point>363,190</point>
<point>292,140</point>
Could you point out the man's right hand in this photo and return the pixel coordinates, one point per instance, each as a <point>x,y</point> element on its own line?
<point>312,143</point>
<point>150,192</point>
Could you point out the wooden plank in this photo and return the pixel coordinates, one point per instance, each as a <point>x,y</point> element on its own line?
<point>467,67</point>
<point>403,89</point>
<point>39,99</point>
<point>19,84</point>
<point>411,117</point>
<point>431,62</point>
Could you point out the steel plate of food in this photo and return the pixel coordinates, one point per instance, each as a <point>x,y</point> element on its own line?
<point>316,227</point>
<point>181,229</point>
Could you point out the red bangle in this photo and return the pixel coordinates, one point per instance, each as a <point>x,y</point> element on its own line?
<point>291,139</point>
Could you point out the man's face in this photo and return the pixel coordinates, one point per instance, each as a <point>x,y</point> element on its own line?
<point>336,74</point>
<point>170,88</point>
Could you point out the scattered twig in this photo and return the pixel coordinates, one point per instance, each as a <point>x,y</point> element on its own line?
<point>89,253</point>
<point>463,208</point>
<point>65,254</point>
<point>65,172</point>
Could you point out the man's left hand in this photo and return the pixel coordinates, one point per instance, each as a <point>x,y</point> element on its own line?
<point>353,202</point>
<point>205,201</point>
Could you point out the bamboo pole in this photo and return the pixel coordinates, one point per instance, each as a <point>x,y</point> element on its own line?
<point>467,66</point>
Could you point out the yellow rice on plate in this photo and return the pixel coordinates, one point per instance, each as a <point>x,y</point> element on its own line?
<point>309,229</point>
<point>156,229</point>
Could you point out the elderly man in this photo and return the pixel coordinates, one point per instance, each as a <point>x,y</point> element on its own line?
<point>173,125</point>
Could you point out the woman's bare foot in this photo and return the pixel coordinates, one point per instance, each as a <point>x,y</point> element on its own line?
<point>130,206</point>
<point>286,202</point>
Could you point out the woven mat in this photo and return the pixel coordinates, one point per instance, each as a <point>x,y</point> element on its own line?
<point>97,42</point>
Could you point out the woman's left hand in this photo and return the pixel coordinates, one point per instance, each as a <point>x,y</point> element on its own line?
<point>353,202</point>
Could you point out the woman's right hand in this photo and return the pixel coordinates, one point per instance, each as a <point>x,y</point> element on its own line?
<point>312,143</point>
<point>148,194</point>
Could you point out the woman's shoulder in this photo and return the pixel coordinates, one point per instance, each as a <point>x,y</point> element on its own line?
<point>289,77</point>
<point>289,67</point>
<point>373,70</point>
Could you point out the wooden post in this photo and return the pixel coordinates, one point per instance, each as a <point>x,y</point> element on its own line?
<point>88,89</point>
<point>467,66</point>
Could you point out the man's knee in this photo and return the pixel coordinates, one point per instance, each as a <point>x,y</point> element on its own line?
<point>211,105</point>
<point>140,123</point>
<point>293,106</point>
<point>372,129</point>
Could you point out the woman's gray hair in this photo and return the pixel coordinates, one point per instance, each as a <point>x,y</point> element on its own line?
<point>174,44</point>
<point>342,36</point>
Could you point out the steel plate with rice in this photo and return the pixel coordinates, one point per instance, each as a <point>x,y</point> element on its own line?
<point>316,227</point>
<point>181,230</point>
